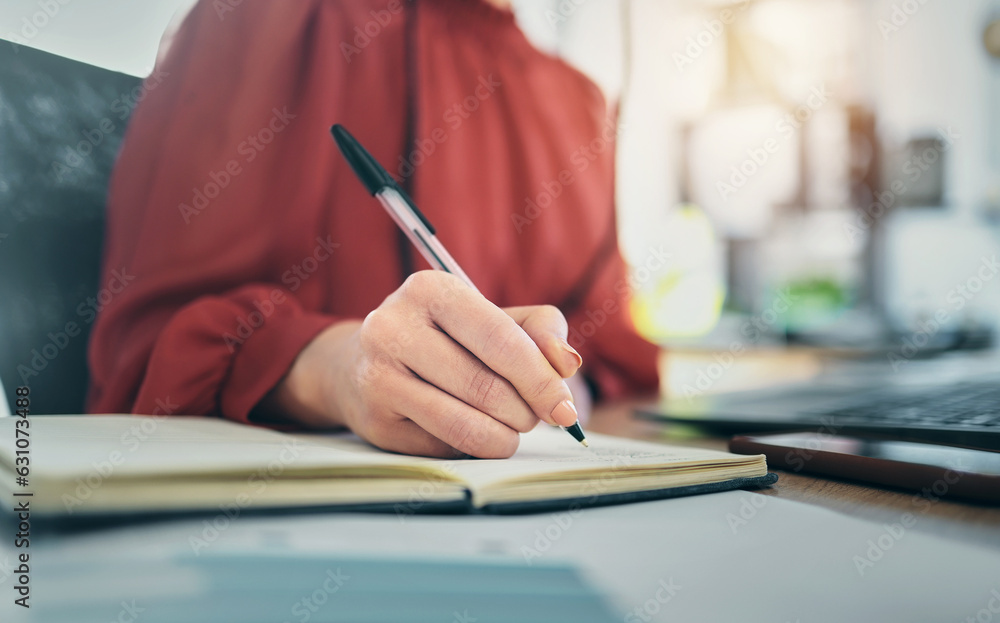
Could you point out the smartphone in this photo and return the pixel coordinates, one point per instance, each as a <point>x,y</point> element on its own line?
<point>932,470</point>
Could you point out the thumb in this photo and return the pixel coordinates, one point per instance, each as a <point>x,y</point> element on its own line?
<point>547,327</point>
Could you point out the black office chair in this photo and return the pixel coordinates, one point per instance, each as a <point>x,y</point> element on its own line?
<point>61,124</point>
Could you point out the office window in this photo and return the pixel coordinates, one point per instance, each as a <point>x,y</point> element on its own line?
<point>122,35</point>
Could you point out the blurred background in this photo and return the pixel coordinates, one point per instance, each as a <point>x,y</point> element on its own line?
<point>820,172</point>
<point>823,172</point>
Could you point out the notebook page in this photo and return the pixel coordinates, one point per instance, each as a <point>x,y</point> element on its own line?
<point>127,446</point>
<point>548,450</point>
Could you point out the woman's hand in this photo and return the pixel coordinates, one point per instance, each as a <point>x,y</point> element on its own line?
<point>436,370</point>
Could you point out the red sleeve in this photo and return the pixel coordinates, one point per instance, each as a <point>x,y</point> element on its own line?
<point>222,354</point>
<point>198,315</point>
<point>617,359</point>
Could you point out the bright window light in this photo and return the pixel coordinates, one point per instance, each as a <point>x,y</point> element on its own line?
<point>121,35</point>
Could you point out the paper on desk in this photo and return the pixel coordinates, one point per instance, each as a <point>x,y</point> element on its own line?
<point>271,587</point>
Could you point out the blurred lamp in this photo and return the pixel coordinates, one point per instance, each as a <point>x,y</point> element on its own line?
<point>684,298</point>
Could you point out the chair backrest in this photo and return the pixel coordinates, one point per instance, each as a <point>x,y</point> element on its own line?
<point>61,124</point>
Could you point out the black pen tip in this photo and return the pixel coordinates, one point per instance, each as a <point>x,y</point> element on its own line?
<point>368,170</point>
<point>577,432</point>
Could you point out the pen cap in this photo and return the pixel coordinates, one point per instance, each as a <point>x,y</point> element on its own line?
<point>372,174</point>
<point>368,170</point>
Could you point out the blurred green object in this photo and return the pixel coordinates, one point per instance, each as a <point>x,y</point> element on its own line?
<point>812,302</point>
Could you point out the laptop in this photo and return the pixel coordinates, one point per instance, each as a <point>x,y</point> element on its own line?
<point>951,400</point>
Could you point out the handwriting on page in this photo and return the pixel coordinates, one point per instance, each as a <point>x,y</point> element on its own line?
<point>606,455</point>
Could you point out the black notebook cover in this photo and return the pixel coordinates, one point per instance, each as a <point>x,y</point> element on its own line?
<point>71,523</point>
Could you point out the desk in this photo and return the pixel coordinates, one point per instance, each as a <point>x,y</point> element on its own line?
<point>960,521</point>
<point>788,562</point>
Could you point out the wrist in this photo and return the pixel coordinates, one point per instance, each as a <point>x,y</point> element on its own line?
<point>314,391</point>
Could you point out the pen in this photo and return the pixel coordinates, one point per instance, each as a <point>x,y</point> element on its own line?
<point>409,218</point>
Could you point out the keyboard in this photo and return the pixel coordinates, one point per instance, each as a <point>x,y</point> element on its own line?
<point>964,404</point>
<point>966,413</point>
<point>962,412</point>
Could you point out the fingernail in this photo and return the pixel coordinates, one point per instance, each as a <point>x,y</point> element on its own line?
<point>572,351</point>
<point>565,413</point>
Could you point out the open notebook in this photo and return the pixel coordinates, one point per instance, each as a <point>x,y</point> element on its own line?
<point>114,465</point>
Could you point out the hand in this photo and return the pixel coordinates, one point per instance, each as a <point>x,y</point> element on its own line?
<point>437,370</point>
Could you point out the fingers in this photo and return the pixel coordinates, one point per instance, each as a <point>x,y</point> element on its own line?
<point>547,328</point>
<point>444,363</point>
<point>396,433</point>
<point>498,341</point>
<point>426,420</point>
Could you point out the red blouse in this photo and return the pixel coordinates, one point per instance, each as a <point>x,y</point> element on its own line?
<point>248,233</point>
